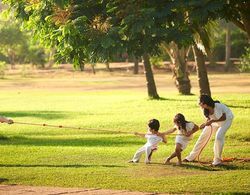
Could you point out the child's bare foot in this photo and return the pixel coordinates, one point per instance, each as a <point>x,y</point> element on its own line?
<point>147,162</point>
<point>167,161</point>
<point>178,163</point>
<point>132,161</point>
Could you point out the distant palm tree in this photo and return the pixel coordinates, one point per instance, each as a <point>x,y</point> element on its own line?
<point>178,58</point>
<point>152,91</point>
<point>202,47</point>
<point>228,47</point>
<point>136,65</point>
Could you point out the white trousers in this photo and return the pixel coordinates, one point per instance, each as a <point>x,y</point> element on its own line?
<point>140,151</point>
<point>206,135</point>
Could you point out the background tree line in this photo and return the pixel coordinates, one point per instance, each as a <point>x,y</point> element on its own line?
<point>97,31</point>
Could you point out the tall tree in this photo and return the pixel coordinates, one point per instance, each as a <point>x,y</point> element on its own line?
<point>12,41</point>
<point>178,58</point>
<point>146,24</point>
<point>93,30</point>
<point>238,13</point>
<point>136,65</point>
<point>228,47</point>
<point>202,48</point>
<point>201,69</point>
<point>152,91</point>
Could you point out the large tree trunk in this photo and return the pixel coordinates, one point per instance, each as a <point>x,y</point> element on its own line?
<point>179,59</point>
<point>228,47</point>
<point>136,65</point>
<point>93,68</point>
<point>81,66</point>
<point>51,60</point>
<point>152,92</point>
<point>12,58</point>
<point>182,81</point>
<point>107,66</point>
<point>201,71</point>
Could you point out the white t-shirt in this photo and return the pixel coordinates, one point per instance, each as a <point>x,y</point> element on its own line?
<point>219,109</point>
<point>152,140</point>
<point>189,127</point>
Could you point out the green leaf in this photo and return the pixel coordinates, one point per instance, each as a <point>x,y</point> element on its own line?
<point>107,42</point>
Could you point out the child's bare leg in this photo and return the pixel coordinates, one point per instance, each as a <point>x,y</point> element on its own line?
<point>150,155</point>
<point>148,151</point>
<point>178,153</point>
<point>170,157</point>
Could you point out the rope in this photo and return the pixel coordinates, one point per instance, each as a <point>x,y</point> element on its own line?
<point>70,127</point>
<point>229,159</point>
<point>78,128</point>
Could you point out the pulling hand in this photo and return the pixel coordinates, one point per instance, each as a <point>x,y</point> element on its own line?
<point>208,123</point>
<point>202,125</point>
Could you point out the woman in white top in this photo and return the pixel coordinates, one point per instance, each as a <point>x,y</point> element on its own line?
<point>184,127</point>
<point>219,117</point>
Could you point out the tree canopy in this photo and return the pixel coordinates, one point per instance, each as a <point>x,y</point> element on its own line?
<point>93,30</point>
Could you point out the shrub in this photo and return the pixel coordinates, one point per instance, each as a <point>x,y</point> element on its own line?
<point>2,69</point>
<point>245,61</point>
<point>156,61</point>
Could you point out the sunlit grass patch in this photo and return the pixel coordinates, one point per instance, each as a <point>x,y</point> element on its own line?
<point>47,156</point>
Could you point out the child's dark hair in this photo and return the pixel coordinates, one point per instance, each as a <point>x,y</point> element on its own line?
<point>206,99</point>
<point>180,119</point>
<point>154,124</point>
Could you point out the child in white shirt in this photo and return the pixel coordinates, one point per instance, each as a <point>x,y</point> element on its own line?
<point>152,141</point>
<point>185,130</point>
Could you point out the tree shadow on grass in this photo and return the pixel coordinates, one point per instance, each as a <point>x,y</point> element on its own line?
<point>2,137</point>
<point>170,99</point>
<point>188,166</point>
<point>238,106</point>
<point>36,114</point>
<point>205,166</point>
<point>58,166</point>
<point>199,167</point>
<point>43,114</point>
<point>3,180</point>
<point>84,142</point>
<point>223,167</point>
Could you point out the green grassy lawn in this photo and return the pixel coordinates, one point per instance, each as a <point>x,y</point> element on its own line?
<point>45,156</point>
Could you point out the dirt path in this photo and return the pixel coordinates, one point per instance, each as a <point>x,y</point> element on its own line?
<point>75,81</point>
<point>31,190</point>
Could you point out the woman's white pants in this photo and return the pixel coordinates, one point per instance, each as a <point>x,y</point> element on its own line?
<point>206,135</point>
